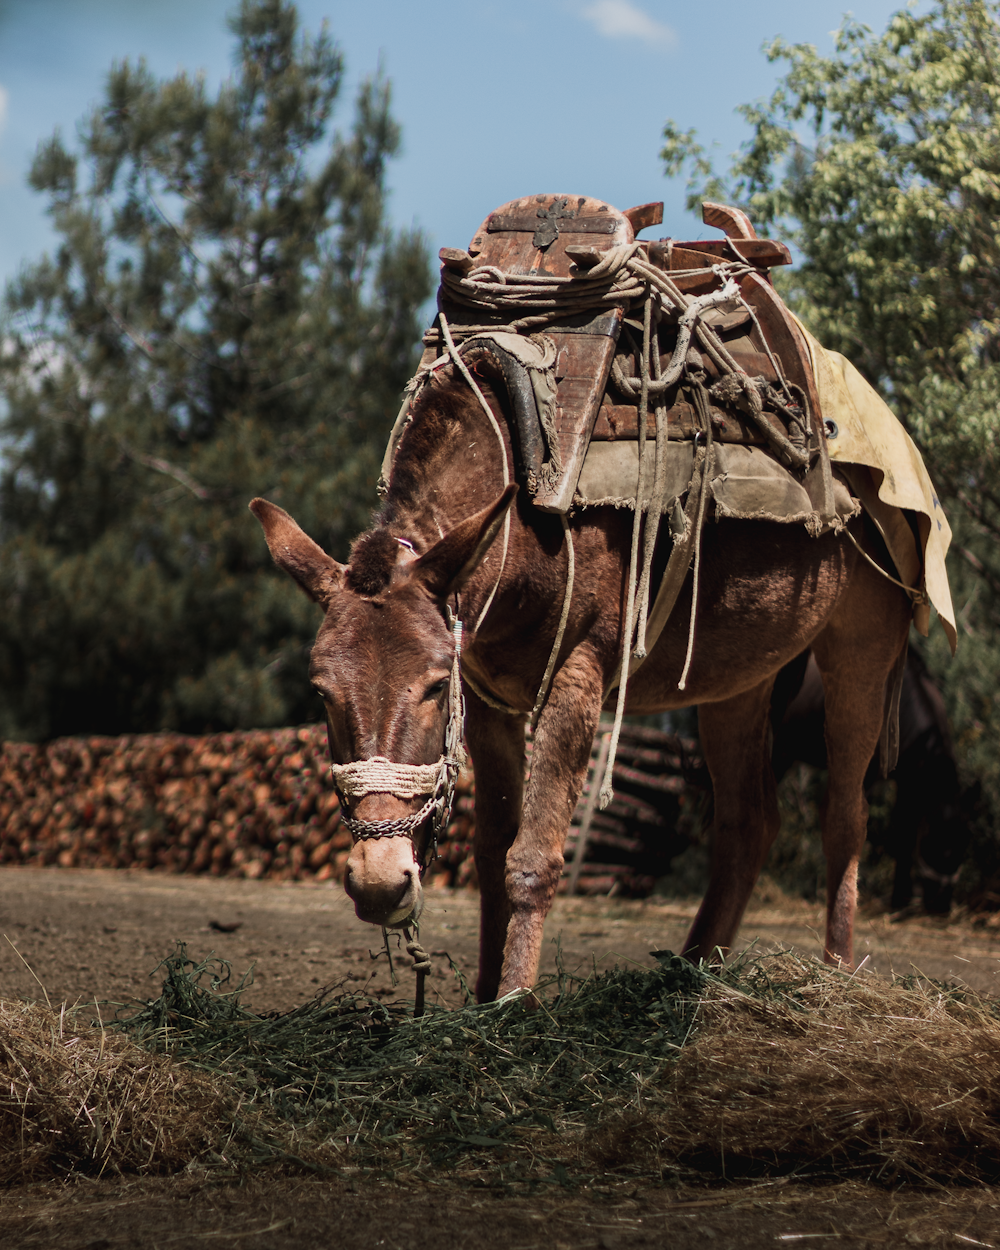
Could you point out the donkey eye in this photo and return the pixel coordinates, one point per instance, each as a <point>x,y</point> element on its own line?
<point>436,689</point>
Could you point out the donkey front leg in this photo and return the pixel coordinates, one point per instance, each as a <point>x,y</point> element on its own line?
<point>735,736</point>
<point>496,743</point>
<point>562,744</point>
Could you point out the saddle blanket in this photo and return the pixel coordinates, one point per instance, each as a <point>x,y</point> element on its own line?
<point>886,472</point>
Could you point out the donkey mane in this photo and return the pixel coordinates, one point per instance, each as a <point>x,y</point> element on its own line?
<point>426,448</point>
<point>425,454</point>
<point>373,558</point>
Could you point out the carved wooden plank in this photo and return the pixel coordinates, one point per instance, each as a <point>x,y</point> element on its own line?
<point>731,221</point>
<point>455,258</point>
<point>532,235</point>
<point>762,252</point>
<point>528,224</point>
<point>644,215</point>
<point>620,421</point>
<point>783,336</point>
<point>668,256</point>
<point>583,362</point>
<point>506,237</point>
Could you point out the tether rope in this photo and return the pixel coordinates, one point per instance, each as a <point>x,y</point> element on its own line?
<point>701,403</point>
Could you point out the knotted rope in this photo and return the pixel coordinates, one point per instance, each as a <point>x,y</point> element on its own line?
<point>421,963</point>
<point>543,298</point>
<point>380,775</point>
<point>421,966</point>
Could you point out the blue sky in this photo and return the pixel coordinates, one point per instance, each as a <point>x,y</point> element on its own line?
<point>496,100</point>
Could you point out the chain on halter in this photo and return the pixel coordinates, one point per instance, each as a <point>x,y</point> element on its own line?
<point>379,775</point>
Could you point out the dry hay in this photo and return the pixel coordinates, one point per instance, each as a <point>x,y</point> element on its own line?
<point>79,1099</point>
<point>776,1065</point>
<point>799,1066</point>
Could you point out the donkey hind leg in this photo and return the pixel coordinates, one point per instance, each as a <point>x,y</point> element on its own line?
<point>496,743</point>
<point>736,740</point>
<point>560,756</point>
<point>855,653</point>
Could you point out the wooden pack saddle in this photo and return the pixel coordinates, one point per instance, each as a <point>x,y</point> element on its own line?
<point>528,270</point>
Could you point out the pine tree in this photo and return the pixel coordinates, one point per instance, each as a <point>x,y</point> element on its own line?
<point>227,314</point>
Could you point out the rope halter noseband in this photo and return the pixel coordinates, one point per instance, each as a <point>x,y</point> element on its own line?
<point>378,775</point>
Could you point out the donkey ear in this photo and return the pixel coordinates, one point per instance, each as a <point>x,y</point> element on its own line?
<point>450,563</point>
<point>294,551</point>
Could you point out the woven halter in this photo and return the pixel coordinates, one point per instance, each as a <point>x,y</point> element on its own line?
<point>379,775</point>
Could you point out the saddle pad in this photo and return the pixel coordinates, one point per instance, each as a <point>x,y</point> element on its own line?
<point>611,470</point>
<point>746,482</point>
<point>887,473</point>
<point>751,485</point>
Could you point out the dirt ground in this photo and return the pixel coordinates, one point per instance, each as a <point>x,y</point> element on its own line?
<point>80,935</point>
<point>296,1214</point>
<point>89,933</point>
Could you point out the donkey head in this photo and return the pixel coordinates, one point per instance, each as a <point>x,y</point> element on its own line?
<point>381,664</point>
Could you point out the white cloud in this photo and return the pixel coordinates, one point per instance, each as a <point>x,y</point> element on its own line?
<point>621,19</point>
<point>3,108</point>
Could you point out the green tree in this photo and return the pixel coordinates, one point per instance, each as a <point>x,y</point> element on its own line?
<point>881,165</point>
<point>227,314</point>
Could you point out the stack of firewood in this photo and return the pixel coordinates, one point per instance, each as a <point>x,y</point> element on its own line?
<point>241,804</point>
<point>653,816</point>
<point>260,804</point>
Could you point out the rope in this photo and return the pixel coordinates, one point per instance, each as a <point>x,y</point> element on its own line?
<point>380,775</point>
<point>653,517</point>
<point>686,327</point>
<point>701,403</point>
<point>421,966</point>
<point>607,791</point>
<point>918,596</point>
<point>464,370</point>
<point>611,283</point>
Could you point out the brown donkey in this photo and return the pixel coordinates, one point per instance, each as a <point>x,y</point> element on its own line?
<point>385,651</point>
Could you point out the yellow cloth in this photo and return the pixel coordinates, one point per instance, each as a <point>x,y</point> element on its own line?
<point>869,436</point>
